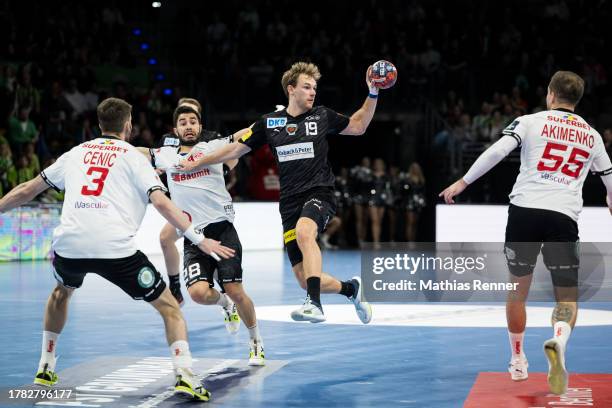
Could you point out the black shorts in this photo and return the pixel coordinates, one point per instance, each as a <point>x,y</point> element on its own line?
<point>199,266</point>
<point>531,230</point>
<point>318,204</point>
<point>135,275</point>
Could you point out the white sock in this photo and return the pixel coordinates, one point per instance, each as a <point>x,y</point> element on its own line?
<point>516,344</point>
<point>223,300</point>
<point>254,333</point>
<point>562,331</point>
<point>181,356</point>
<point>47,353</point>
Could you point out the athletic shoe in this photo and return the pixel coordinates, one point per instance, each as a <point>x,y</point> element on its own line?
<point>45,377</point>
<point>518,368</point>
<point>230,316</point>
<point>363,309</point>
<point>184,387</point>
<point>308,312</point>
<point>176,292</point>
<point>256,353</point>
<point>557,374</point>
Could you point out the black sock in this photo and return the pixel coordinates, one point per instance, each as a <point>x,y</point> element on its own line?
<point>348,289</point>
<point>313,285</point>
<point>175,280</point>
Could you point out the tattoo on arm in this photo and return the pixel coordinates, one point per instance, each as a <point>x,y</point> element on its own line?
<point>563,313</point>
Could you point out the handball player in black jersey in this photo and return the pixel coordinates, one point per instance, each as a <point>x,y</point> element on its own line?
<point>297,136</point>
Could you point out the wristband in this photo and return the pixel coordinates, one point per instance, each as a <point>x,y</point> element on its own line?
<point>191,234</point>
<point>373,96</point>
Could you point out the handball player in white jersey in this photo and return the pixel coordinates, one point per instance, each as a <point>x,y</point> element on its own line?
<point>558,148</point>
<point>108,184</point>
<point>202,195</point>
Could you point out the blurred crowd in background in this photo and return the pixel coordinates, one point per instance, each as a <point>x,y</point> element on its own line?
<point>466,70</point>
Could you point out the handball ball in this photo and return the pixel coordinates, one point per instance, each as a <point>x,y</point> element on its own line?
<point>383,74</point>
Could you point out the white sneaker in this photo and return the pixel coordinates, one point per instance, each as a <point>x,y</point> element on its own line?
<point>363,309</point>
<point>308,312</point>
<point>256,353</point>
<point>231,317</point>
<point>557,374</point>
<point>518,368</point>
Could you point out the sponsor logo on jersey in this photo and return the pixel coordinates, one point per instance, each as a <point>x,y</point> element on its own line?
<point>107,142</point>
<point>555,179</point>
<point>292,128</point>
<point>289,236</point>
<point>90,205</point>
<point>313,117</point>
<point>297,151</point>
<point>275,122</point>
<point>568,119</point>
<point>171,141</point>
<point>229,209</point>
<point>178,177</point>
<point>146,278</point>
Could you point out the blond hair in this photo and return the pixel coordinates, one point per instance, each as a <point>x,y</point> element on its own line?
<point>290,77</point>
<point>567,86</point>
<point>190,101</point>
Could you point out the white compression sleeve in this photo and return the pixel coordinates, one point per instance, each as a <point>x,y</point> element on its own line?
<point>490,157</point>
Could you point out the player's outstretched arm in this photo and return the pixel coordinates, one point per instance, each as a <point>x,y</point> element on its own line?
<point>485,162</point>
<point>23,193</point>
<point>231,151</point>
<point>360,120</point>
<point>179,220</point>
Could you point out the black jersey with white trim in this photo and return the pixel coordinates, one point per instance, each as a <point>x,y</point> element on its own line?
<point>299,145</point>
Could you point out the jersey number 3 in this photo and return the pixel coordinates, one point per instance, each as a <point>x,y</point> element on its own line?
<point>102,172</point>
<point>557,160</point>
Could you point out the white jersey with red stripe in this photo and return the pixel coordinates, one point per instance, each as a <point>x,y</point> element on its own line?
<point>200,193</point>
<point>558,148</point>
<point>107,183</point>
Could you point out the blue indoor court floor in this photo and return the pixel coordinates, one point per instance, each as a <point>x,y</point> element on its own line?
<point>411,355</point>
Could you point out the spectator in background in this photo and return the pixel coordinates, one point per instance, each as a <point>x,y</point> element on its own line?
<point>497,124</point>
<point>481,123</point>
<point>77,101</point>
<point>360,180</point>
<point>26,95</point>
<point>380,193</point>
<point>85,132</point>
<point>24,171</point>
<point>33,161</point>
<point>21,130</point>
<point>7,168</point>
<point>413,198</point>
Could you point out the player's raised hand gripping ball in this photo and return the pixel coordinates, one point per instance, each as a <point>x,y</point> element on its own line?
<point>383,74</point>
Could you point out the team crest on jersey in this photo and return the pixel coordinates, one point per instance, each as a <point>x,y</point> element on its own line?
<point>276,122</point>
<point>107,142</point>
<point>569,117</point>
<point>292,128</point>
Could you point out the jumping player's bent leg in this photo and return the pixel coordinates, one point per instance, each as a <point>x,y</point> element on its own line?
<point>56,314</point>
<point>167,238</point>
<point>246,309</point>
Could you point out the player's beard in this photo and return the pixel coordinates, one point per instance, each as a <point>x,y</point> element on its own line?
<point>190,142</point>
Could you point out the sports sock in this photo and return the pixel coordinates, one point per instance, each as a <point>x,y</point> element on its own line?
<point>516,344</point>
<point>347,289</point>
<point>254,333</point>
<point>47,355</point>
<point>313,285</point>
<point>562,331</point>
<point>181,356</point>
